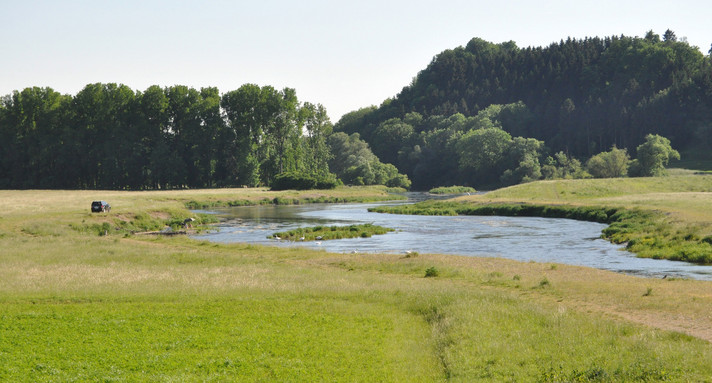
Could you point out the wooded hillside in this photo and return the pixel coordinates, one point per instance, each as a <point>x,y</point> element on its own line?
<point>577,96</point>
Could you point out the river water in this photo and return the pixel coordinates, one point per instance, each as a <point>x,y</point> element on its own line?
<point>520,238</point>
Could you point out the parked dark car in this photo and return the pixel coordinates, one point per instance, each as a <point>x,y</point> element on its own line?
<point>100,207</point>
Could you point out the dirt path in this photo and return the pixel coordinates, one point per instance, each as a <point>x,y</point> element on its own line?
<point>697,327</point>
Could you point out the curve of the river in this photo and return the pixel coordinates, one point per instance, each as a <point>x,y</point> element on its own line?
<point>520,238</point>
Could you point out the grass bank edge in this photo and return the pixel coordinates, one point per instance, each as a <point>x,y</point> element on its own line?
<point>174,210</point>
<point>319,233</point>
<point>647,233</point>
<point>292,197</point>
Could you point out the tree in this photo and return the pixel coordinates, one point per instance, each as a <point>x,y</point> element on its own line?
<point>652,37</point>
<point>317,127</point>
<point>562,166</point>
<point>522,161</point>
<point>611,164</point>
<point>103,113</point>
<point>152,123</point>
<point>669,36</point>
<point>389,137</point>
<point>285,129</point>
<point>481,153</point>
<point>582,96</point>
<point>31,130</point>
<point>349,151</point>
<point>653,155</point>
<point>355,164</point>
<point>241,137</point>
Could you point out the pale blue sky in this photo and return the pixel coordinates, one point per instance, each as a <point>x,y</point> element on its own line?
<point>344,55</point>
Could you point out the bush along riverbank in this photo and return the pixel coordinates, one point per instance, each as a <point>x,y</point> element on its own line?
<point>319,233</point>
<point>648,234</point>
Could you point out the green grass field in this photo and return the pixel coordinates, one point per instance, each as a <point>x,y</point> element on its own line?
<point>79,306</point>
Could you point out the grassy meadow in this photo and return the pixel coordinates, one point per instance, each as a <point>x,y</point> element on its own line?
<point>86,305</point>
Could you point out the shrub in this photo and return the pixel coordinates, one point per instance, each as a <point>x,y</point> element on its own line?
<point>298,181</point>
<point>431,272</point>
<point>611,164</point>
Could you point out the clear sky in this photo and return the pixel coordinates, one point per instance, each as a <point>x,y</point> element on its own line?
<point>344,55</point>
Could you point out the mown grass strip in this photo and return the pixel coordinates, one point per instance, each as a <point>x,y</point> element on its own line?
<point>319,233</point>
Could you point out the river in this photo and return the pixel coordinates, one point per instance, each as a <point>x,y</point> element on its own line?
<point>519,238</point>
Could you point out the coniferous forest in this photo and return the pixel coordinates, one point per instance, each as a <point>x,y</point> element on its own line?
<point>480,115</point>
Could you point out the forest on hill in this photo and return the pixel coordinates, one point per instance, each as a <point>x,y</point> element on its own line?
<point>109,136</point>
<point>576,97</point>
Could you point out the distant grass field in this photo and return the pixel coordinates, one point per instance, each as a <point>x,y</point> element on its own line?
<point>79,306</point>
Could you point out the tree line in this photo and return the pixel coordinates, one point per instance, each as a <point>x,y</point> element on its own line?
<point>580,97</point>
<point>109,136</point>
<point>479,151</point>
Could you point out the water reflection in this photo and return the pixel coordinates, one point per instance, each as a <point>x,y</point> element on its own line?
<point>519,238</point>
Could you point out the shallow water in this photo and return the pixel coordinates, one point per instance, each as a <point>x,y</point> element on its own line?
<point>520,238</point>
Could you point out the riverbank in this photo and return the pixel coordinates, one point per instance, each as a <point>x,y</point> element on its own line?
<point>660,218</point>
<point>76,305</point>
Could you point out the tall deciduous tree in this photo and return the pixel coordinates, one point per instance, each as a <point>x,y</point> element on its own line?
<point>317,128</point>
<point>653,155</point>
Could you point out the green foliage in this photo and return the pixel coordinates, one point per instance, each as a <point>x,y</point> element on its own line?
<point>483,150</point>
<point>324,233</point>
<point>299,181</point>
<point>611,164</point>
<point>544,283</point>
<point>399,181</point>
<point>561,166</point>
<point>452,190</point>
<point>111,137</point>
<point>653,155</point>
<point>468,150</point>
<point>431,272</point>
<point>389,135</point>
<point>355,164</point>
<point>581,97</point>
